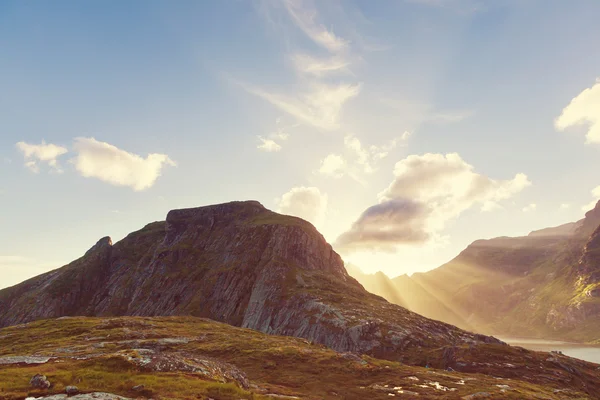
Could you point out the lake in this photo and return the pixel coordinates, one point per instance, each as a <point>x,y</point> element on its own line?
<point>577,350</point>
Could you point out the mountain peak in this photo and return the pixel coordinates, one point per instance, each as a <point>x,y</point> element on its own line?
<point>588,225</point>
<point>233,208</point>
<point>100,246</point>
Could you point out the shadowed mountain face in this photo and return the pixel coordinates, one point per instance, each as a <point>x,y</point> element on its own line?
<point>546,284</point>
<point>238,263</point>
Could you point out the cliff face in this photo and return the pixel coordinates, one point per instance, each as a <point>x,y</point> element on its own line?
<point>238,263</point>
<point>546,284</point>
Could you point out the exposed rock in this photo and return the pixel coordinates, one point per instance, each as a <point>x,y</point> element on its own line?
<point>24,360</point>
<point>87,396</point>
<point>138,388</point>
<point>71,390</point>
<point>238,263</point>
<point>39,382</point>
<point>475,396</point>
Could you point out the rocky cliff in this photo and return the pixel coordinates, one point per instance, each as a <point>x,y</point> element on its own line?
<point>237,263</point>
<point>546,284</point>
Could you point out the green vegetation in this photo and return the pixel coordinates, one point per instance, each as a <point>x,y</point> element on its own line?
<point>96,354</point>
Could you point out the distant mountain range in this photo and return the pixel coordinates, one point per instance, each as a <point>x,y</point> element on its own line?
<point>545,284</point>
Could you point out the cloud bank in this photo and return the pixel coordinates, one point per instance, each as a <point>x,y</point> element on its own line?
<point>428,191</point>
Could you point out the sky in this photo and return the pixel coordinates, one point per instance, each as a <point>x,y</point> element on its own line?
<point>403,130</point>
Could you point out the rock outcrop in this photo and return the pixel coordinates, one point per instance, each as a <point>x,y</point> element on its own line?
<point>237,263</point>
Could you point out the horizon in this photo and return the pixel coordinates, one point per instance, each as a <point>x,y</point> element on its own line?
<point>403,131</point>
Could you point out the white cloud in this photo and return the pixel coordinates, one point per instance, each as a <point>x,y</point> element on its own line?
<point>271,142</point>
<point>305,16</point>
<point>333,165</point>
<point>313,100</point>
<point>530,207</point>
<point>319,105</point>
<point>268,145</point>
<point>35,154</point>
<point>592,204</point>
<point>307,64</point>
<point>305,202</point>
<point>110,164</point>
<point>428,191</point>
<point>565,206</point>
<point>358,159</point>
<point>583,109</point>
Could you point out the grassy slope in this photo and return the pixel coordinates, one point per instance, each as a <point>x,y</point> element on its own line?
<point>273,364</point>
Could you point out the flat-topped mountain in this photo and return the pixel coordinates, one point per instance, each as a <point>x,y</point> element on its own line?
<point>545,284</point>
<point>237,263</point>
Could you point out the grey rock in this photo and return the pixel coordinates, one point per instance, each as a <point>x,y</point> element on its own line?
<point>476,396</point>
<point>71,390</point>
<point>39,382</point>
<point>86,396</point>
<point>24,360</point>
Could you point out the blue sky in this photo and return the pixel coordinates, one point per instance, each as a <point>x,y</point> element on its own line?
<point>403,129</point>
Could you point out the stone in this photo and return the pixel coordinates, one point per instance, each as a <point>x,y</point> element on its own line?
<point>476,396</point>
<point>71,390</point>
<point>138,388</point>
<point>39,382</point>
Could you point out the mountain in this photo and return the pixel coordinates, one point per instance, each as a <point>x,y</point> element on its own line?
<point>237,263</point>
<point>196,358</point>
<point>246,266</point>
<point>545,284</point>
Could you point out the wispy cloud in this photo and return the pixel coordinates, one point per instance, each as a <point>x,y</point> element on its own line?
<point>315,98</point>
<point>583,109</point>
<point>417,113</point>
<point>319,104</point>
<point>530,207</point>
<point>306,17</point>
<point>358,159</point>
<point>47,153</point>
<point>308,65</point>
<point>268,145</point>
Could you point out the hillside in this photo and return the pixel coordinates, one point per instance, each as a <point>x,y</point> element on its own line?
<point>546,284</point>
<point>237,263</point>
<point>194,358</point>
<point>246,266</point>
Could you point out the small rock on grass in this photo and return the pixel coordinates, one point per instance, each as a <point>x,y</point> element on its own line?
<point>39,382</point>
<point>71,390</point>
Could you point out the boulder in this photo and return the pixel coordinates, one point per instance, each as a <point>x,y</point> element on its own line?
<point>39,382</point>
<point>71,390</point>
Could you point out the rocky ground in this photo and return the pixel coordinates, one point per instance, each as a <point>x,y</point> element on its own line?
<point>195,358</point>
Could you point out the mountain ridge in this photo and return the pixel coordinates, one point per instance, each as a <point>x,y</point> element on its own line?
<point>543,285</point>
<point>237,263</point>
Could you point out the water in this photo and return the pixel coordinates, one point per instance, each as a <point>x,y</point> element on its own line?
<point>576,350</point>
